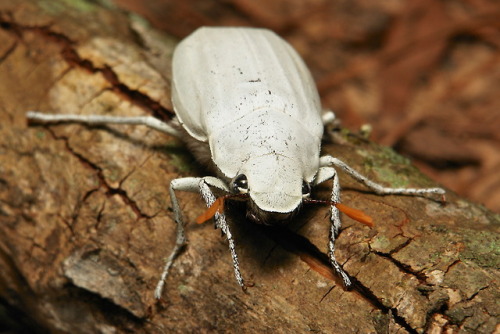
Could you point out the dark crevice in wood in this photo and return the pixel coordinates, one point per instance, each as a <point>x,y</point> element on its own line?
<point>72,57</point>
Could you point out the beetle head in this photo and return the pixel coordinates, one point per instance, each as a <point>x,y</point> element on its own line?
<point>276,187</point>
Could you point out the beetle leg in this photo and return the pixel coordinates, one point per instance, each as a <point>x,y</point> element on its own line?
<point>328,117</point>
<point>186,184</point>
<point>324,174</point>
<point>377,188</point>
<point>327,172</point>
<point>220,222</point>
<point>335,228</point>
<point>195,184</point>
<point>148,121</point>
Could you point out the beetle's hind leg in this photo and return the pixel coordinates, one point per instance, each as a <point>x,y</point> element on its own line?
<point>195,184</point>
<point>148,121</point>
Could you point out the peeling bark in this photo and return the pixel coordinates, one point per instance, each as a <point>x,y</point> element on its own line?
<point>85,223</point>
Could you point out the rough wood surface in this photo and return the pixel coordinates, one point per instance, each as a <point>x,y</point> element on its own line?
<point>85,225</point>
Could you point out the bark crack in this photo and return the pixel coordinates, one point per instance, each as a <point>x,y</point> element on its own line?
<point>110,191</point>
<point>71,56</point>
<point>294,243</point>
<point>8,52</point>
<point>400,265</point>
<point>370,297</point>
<point>407,269</point>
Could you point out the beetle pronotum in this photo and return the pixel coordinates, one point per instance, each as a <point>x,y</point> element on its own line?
<point>247,104</point>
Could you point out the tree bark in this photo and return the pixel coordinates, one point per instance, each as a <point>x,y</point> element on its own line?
<point>85,220</point>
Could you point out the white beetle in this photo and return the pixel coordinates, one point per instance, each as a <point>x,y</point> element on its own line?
<point>252,111</point>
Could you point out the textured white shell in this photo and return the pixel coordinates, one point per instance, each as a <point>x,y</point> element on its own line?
<point>249,94</point>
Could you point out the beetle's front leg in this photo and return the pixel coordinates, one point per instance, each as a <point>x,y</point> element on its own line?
<point>220,222</point>
<point>324,174</point>
<point>202,185</point>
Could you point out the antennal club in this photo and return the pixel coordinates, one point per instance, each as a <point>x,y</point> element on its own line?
<point>355,214</point>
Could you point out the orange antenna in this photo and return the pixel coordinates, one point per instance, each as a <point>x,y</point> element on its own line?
<point>355,214</point>
<point>216,207</point>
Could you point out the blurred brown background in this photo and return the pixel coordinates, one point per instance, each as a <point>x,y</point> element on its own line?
<point>425,74</point>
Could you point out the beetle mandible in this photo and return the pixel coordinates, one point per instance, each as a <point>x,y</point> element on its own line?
<point>247,105</point>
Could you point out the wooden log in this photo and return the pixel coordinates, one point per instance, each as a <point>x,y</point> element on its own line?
<point>85,220</point>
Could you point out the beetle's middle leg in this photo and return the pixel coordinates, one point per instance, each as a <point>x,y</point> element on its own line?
<point>202,185</point>
<point>148,121</point>
<point>377,188</point>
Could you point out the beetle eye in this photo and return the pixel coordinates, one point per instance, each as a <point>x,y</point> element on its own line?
<point>306,189</point>
<point>240,184</point>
